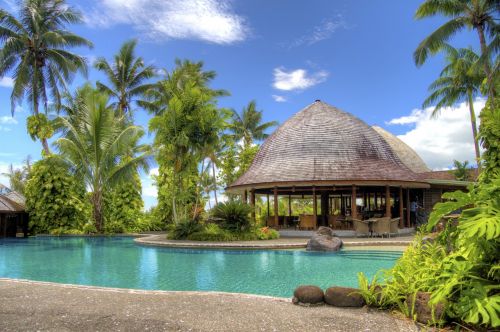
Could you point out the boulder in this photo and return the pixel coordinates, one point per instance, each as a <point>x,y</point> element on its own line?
<point>422,311</point>
<point>344,297</point>
<point>308,295</point>
<point>324,240</point>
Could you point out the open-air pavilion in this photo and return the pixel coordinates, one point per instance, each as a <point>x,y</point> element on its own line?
<point>348,169</point>
<point>13,217</point>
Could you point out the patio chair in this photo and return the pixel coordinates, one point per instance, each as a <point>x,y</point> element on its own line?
<point>335,222</point>
<point>271,222</point>
<point>307,221</point>
<point>394,226</point>
<point>361,227</point>
<point>382,226</point>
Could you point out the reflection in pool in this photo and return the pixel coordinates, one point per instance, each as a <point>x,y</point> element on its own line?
<point>119,262</point>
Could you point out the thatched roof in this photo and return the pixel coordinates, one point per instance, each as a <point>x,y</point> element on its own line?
<point>406,154</point>
<point>322,144</point>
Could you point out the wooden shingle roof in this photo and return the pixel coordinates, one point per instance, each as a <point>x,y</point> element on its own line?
<point>406,154</point>
<point>11,201</point>
<point>323,143</point>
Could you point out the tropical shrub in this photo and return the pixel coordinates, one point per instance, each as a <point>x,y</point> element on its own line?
<point>461,268</point>
<point>124,203</point>
<point>232,215</point>
<point>55,199</point>
<point>184,229</point>
<point>266,233</point>
<point>114,227</point>
<point>211,232</point>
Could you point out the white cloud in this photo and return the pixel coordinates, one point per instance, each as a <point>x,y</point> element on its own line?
<point>321,32</point>
<point>6,82</point>
<point>441,140</point>
<point>297,79</point>
<point>279,99</point>
<point>149,189</point>
<point>208,20</point>
<point>7,120</point>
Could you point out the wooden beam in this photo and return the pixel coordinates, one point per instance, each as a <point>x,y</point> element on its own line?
<point>315,205</point>
<point>252,204</point>
<point>408,221</point>
<point>387,201</point>
<point>401,217</point>
<point>268,209</point>
<point>276,218</point>
<point>354,210</point>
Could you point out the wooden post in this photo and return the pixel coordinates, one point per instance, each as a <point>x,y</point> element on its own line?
<point>252,204</point>
<point>401,216</point>
<point>354,210</point>
<point>315,206</point>
<point>268,209</point>
<point>289,209</point>
<point>245,198</point>
<point>276,218</point>
<point>325,207</point>
<point>408,221</point>
<point>342,210</point>
<point>387,202</point>
<point>375,200</point>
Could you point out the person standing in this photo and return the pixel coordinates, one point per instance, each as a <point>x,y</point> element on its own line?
<point>413,211</point>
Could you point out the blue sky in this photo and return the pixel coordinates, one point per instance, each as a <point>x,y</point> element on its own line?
<point>356,55</point>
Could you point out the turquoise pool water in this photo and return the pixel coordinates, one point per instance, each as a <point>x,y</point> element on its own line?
<point>119,262</point>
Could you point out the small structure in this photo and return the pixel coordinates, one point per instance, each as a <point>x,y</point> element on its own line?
<point>349,169</point>
<point>13,216</point>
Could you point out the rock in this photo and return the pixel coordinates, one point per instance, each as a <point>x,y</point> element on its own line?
<point>422,311</point>
<point>324,240</point>
<point>308,295</point>
<point>344,297</point>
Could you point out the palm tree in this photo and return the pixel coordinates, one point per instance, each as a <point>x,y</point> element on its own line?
<point>100,147</point>
<point>458,81</point>
<point>479,15</point>
<point>126,75</point>
<point>35,49</point>
<point>461,171</point>
<point>207,185</point>
<point>19,176</point>
<point>248,126</point>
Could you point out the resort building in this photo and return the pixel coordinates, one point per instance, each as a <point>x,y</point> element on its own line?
<point>350,171</point>
<point>13,218</point>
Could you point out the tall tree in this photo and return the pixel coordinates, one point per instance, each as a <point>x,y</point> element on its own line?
<point>35,48</point>
<point>480,15</point>
<point>457,82</point>
<point>248,125</point>
<point>127,75</point>
<point>100,147</point>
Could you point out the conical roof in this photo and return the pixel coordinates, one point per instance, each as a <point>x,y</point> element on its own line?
<point>406,154</point>
<point>322,143</point>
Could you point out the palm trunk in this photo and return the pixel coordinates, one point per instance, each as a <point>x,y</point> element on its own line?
<point>215,182</point>
<point>198,184</point>
<point>97,210</point>
<point>487,69</point>
<point>474,129</point>
<point>45,144</point>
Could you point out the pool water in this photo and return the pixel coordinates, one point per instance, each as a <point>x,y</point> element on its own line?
<point>119,262</point>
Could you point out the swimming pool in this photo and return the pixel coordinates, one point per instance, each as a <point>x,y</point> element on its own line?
<point>119,262</point>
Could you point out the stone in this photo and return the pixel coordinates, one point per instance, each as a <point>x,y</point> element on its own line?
<point>324,239</point>
<point>422,311</point>
<point>308,294</point>
<point>344,297</point>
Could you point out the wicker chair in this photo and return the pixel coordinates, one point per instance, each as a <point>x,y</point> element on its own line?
<point>335,222</point>
<point>382,226</point>
<point>271,222</point>
<point>307,221</point>
<point>394,226</point>
<point>361,227</point>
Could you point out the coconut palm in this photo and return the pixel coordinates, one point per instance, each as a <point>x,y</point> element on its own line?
<point>457,82</point>
<point>127,76</point>
<point>35,50</point>
<point>248,125</point>
<point>480,15</point>
<point>461,171</point>
<point>101,148</point>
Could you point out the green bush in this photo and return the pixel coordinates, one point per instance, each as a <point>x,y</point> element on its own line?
<point>266,233</point>
<point>114,227</point>
<point>211,232</point>
<point>232,215</point>
<point>184,229</point>
<point>461,268</point>
<point>63,231</point>
<point>55,199</point>
<point>89,228</point>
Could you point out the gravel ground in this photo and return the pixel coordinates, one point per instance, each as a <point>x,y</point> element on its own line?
<point>36,306</point>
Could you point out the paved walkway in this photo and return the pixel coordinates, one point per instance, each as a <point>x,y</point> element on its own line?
<point>281,243</point>
<point>35,306</point>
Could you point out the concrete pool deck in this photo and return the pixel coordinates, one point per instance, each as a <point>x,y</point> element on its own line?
<point>40,306</point>
<point>394,243</point>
